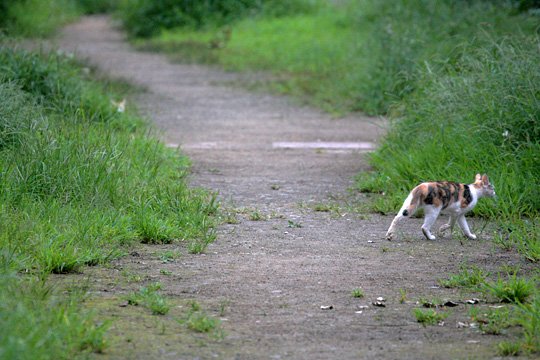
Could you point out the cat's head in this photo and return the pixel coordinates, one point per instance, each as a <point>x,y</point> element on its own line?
<point>482,183</point>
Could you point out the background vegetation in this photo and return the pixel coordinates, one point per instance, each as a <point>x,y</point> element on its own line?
<point>143,18</point>
<point>42,18</point>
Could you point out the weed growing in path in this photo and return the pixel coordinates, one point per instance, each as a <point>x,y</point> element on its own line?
<point>402,296</point>
<point>509,348</point>
<point>511,290</point>
<point>492,321</point>
<point>294,225</point>
<point>357,293</point>
<point>199,321</point>
<point>256,215</point>
<point>167,256</point>
<point>429,316</point>
<point>150,298</point>
<point>467,277</point>
<point>529,319</point>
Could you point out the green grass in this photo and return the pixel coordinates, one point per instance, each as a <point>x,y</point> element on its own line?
<point>489,94</point>
<point>522,312</point>
<point>144,18</point>
<point>357,293</point>
<point>150,298</point>
<point>529,319</point>
<point>345,57</point>
<point>79,183</point>
<point>492,321</point>
<point>199,321</point>
<point>256,215</point>
<point>39,322</point>
<point>167,256</point>
<point>508,348</point>
<point>512,290</point>
<point>301,51</point>
<point>429,316</point>
<point>468,277</point>
<point>38,18</point>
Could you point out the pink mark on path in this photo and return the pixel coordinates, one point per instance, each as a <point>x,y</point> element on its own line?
<point>363,145</point>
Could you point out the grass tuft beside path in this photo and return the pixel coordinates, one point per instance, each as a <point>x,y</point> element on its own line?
<point>80,181</point>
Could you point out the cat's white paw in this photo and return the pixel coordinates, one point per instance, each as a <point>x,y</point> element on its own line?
<point>428,234</point>
<point>472,236</point>
<point>389,236</point>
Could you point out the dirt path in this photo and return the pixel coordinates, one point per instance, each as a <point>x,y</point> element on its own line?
<point>268,279</point>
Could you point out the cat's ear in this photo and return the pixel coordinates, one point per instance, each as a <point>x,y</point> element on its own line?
<point>485,179</point>
<point>478,178</point>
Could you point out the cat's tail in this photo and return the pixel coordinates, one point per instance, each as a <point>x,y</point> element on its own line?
<point>411,203</point>
<point>407,209</point>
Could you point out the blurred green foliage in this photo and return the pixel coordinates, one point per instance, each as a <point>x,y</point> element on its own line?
<point>144,18</point>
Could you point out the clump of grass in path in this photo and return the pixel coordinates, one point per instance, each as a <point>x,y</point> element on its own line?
<point>150,298</point>
<point>492,321</point>
<point>468,277</point>
<point>357,293</point>
<point>511,290</point>
<point>429,316</point>
<point>198,320</point>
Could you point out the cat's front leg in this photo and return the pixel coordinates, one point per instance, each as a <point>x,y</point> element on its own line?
<point>465,227</point>
<point>431,214</point>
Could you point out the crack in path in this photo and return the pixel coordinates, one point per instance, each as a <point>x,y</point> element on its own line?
<point>274,275</point>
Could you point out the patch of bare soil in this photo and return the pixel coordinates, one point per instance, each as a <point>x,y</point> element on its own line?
<point>278,260</point>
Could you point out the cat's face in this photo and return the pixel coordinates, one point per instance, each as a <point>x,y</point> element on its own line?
<point>482,182</point>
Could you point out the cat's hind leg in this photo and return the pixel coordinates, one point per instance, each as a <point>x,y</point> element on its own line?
<point>391,230</point>
<point>465,227</point>
<point>405,211</point>
<point>431,215</point>
<point>449,225</point>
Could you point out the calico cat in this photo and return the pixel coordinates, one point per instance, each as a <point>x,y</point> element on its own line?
<point>446,196</point>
